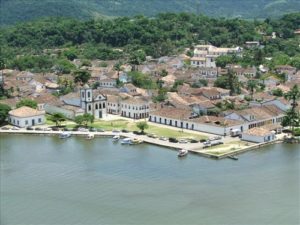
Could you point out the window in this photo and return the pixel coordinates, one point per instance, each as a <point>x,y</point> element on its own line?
<point>26,122</point>
<point>103,105</point>
<point>82,94</point>
<point>40,120</point>
<point>89,94</point>
<point>96,106</point>
<point>90,108</point>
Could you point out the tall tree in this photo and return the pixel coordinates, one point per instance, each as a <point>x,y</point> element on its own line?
<point>251,86</point>
<point>57,118</point>
<point>4,109</point>
<point>292,115</point>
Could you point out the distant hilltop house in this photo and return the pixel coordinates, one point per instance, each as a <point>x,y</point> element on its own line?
<point>205,55</point>
<point>252,44</point>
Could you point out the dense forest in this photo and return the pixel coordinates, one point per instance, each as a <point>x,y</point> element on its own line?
<point>132,38</point>
<point>12,11</point>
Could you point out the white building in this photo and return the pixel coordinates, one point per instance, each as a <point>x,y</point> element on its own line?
<point>136,108</point>
<point>26,117</point>
<point>205,55</point>
<point>184,119</point>
<point>258,135</point>
<point>108,83</point>
<point>93,102</point>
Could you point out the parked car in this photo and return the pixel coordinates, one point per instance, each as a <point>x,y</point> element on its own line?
<point>82,129</point>
<point>183,141</point>
<point>38,129</point>
<point>125,131</point>
<point>93,129</point>
<point>29,128</point>
<point>163,138</point>
<point>15,128</point>
<point>5,128</point>
<point>152,135</point>
<point>47,129</point>
<point>100,130</point>
<point>173,140</point>
<point>55,128</point>
<point>116,131</point>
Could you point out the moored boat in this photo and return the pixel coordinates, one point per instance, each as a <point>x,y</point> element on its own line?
<point>126,141</point>
<point>136,141</point>
<point>116,138</point>
<point>64,135</point>
<point>182,152</point>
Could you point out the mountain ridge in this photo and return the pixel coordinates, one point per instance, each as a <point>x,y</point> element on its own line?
<point>13,11</point>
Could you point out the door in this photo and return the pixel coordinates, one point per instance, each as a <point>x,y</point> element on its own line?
<point>33,122</point>
<point>100,114</point>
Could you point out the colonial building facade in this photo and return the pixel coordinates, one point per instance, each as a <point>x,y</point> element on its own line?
<point>93,102</point>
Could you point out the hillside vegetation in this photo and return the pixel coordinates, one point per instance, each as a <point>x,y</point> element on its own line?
<point>12,11</point>
<point>130,39</point>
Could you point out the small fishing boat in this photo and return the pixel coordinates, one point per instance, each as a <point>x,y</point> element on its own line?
<point>182,152</point>
<point>233,157</point>
<point>89,136</point>
<point>126,141</point>
<point>116,138</point>
<point>64,135</point>
<point>136,141</point>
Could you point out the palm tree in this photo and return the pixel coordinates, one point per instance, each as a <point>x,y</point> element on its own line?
<point>293,95</point>
<point>251,86</point>
<point>118,67</point>
<point>292,117</point>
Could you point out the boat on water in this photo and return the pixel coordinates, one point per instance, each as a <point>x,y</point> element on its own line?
<point>233,157</point>
<point>126,141</point>
<point>116,138</point>
<point>90,136</point>
<point>64,135</point>
<point>136,141</point>
<point>182,152</point>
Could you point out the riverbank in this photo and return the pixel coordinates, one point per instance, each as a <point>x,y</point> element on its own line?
<point>231,146</point>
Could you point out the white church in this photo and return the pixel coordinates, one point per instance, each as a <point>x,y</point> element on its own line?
<point>93,102</point>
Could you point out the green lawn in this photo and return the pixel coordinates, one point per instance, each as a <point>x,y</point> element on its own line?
<point>131,126</point>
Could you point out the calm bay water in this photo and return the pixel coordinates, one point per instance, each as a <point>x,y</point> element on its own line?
<point>45,180</point>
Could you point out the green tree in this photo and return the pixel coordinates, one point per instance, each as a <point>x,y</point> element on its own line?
<point>84,119</point>
<point>292,116</point>
<point>142,126</point>
<point>27,102</point>
<point>4,109</point>
<point>82,76</point>
<point>57,118</point>
<point>137,58</point>
<point>277,92</point>
<point>251,86</point>
<point>118,67</point>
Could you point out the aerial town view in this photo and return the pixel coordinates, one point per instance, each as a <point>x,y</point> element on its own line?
<point>150,112</point>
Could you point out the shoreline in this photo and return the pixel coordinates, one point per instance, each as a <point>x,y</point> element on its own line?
<point>194,148</point>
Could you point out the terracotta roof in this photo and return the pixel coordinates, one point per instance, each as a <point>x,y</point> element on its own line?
<point>182,114</point>
<point>258,131</point>
<point>25,111</point>
<point>216,121</point>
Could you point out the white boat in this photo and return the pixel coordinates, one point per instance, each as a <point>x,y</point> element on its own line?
<point>182,152</point>
<point>116,138</point>
<point>126,141</point>
<point>64,135</point>
<point>90,136</point>
<point>136,141</point>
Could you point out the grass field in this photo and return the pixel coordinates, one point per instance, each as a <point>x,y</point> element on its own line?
<point>131,126</point>
<point>225,148</point>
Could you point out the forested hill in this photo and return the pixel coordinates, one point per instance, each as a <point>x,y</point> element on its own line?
<point>12,11</point>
